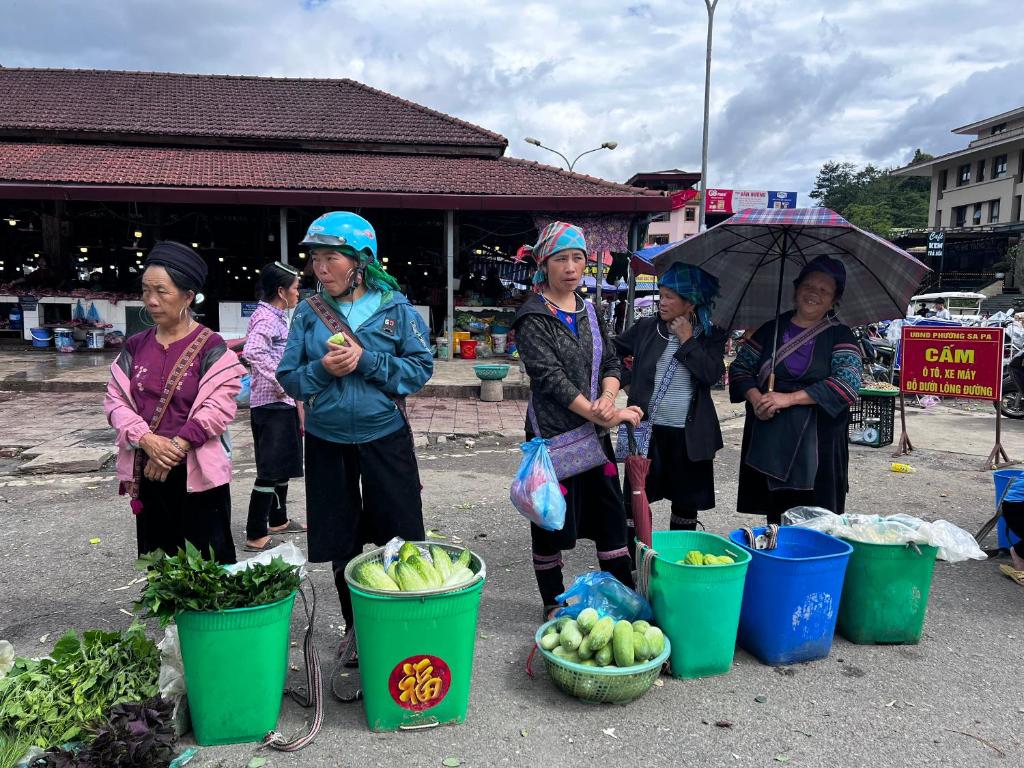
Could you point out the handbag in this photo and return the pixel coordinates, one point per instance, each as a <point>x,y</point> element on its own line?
<point>131,488</point>
<point>580,449</point>
<point>642,432</point>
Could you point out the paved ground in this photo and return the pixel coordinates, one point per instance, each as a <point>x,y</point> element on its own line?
<point>954,699</point>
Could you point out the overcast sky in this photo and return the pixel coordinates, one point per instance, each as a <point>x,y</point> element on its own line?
<point>794,82</point>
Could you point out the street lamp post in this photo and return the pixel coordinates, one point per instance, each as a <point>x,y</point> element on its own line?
<point>571,165</point>
<point>604,145</point>
<point>707,110</point>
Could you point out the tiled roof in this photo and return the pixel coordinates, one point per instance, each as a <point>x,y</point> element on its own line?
<point>25,163</point>
<point>221,107</point>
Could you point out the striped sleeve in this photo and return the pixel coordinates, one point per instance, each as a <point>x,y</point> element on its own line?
<point>839,391</point>
<point>743,370</point>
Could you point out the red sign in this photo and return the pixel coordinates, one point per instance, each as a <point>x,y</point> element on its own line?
<point>719,201</point>
<point>420,682</point>
<point>952,362</point>
<point>684,196</point>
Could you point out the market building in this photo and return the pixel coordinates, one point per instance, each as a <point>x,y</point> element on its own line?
<point>974,210</point>
<point>96,166</point>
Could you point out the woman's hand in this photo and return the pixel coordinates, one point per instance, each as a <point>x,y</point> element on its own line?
<point>682,327</point>
<point>341,360</point>
<point>629,415</point>
<point>153,472</point>
<point>161,451</point>
<point>302,416</point>
<point>771,403</point>
<point>604,407</point>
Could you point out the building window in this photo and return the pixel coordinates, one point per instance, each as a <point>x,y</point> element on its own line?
<point>657,240</point>
<point>960,215</point>
<point>981,171</point>
<point>691,214</point>
<point>993,211</point>
<point>938,218</point>
<point>1016,208</point>
<point>963,175</point>
<point>999,167</point>
<point>998,128</point>
<point>943,179</point>
<point>977,214</point>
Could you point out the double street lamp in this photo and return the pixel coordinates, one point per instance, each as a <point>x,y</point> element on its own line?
<point>604,145</point>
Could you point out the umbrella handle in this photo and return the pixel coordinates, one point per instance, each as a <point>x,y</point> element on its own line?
<point>771,382</point>
<point>631,439</point>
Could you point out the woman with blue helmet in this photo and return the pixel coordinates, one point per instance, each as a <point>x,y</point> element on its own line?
<point>362,482</point>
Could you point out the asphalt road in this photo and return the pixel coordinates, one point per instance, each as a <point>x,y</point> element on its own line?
<point>954,699</point>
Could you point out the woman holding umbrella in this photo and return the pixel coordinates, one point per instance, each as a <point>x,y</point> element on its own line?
<point>799,375</point>
<point>677,356</point>
<point>560,336</point>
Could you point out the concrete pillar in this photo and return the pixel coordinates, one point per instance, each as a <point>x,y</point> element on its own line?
<point>449,247</point>
<point>492,391</point>
<point>283,233</point>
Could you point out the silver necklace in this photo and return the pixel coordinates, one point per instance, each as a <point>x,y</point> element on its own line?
<point>567,311</point>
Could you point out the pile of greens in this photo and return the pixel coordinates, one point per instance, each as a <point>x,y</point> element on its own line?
<point>61,698</point>
<point>190,582</point>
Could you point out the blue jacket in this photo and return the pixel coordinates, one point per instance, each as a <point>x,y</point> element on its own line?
<point>359,407</point>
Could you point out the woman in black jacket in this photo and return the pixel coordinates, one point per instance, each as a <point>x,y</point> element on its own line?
<point>676,357</point>
<point>556,344</point>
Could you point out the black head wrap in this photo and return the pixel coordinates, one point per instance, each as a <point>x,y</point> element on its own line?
<point>180,258</point>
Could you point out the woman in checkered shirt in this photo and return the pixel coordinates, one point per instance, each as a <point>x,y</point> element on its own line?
<point>276,418</point>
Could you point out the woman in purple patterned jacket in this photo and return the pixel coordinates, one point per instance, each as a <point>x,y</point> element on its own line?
<point>276,418</point>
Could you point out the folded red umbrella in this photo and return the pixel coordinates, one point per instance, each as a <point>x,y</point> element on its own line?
<point>637,467</point>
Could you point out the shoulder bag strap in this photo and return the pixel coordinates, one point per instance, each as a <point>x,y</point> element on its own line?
<point>597,345</point>
<point>181,367</point>
<point>793,345</point>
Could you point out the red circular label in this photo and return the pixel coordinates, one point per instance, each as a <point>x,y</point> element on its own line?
<point>420,682</point>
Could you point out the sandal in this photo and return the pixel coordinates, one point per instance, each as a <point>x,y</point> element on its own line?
<point>271,543</point>
<point>1013,573</point>
<point>292,526</point>
<point>345,685</point>
<point>551,610</point>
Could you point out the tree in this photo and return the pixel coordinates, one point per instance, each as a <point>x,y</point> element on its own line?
<point>873,198</point>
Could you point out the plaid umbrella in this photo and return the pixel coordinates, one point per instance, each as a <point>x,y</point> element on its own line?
<point>757,254</point>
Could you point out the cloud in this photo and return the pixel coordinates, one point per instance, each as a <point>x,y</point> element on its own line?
<point>793,84</point>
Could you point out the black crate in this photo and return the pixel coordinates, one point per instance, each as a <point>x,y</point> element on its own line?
<point>878,411</point>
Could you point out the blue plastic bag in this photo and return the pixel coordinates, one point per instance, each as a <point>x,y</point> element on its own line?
<point>242,398</point>
<point>535,491</point>
<point>606,595</point>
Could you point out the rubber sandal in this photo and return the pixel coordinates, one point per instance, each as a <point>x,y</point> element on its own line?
<point>1013,573</point>
<point>346,685</point>
<point>271,543</point>
<point>293,526</point>
<point>551,610</point>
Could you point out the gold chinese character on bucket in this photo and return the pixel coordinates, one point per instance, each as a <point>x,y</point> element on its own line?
<point>419,685</point>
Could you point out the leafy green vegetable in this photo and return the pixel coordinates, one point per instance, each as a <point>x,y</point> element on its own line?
<point>136,735</point>
<point>13,748</point>
<point>58,699</point>
<point>188,581</point>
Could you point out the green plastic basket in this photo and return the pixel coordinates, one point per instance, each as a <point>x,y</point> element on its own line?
<point>493,372</point>
<point>602,685</point>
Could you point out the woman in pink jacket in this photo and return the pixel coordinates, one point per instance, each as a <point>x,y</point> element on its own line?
<point>170,398</point>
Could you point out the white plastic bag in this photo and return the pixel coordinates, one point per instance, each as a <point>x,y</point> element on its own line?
<point>171,680</point>
<point>288,552</point>
<point>954,543</point>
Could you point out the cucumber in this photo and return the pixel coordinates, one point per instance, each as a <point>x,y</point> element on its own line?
<point>641,626</point>
<point>604,656</point>
<point>622,644</point>
<point>587,619</point>
<point>570,636</point>
<point>641,650</point>
<point>655,641</point>
<point>584,650</point>
<point>549,642</point>
<point>601,634</point>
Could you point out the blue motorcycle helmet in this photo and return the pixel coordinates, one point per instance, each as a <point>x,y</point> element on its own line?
<point>346,232</point>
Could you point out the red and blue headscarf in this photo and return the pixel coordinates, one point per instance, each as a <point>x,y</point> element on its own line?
<point>556,236</point>
<point>696,286</point>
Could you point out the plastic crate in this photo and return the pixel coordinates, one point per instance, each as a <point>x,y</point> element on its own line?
<point>873,410</point>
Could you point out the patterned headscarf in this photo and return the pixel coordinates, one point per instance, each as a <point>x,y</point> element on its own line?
<point>696,286</point>
<point>828,266</point>
<point>556,236</point>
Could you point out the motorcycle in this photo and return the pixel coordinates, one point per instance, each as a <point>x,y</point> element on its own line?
<point>1012,402</point>
<point>878,354</point>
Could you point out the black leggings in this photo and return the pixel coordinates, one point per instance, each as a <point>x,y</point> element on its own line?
<point>1013,513</point>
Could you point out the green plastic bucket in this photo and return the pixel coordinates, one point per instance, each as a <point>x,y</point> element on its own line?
<point>235,664</point>
<point>886,592</point>
<point>697,606</point>
<point>415,650</point>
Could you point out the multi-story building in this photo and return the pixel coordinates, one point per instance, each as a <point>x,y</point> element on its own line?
<point>976,196</point>
<point>683,220</point>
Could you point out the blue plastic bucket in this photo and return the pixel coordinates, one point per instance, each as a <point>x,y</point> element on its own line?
<point>791,598</point>
<point>41,337</point>
<point>1002,477</point>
